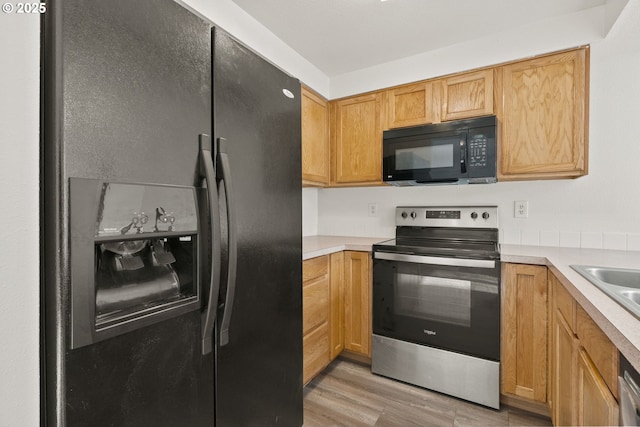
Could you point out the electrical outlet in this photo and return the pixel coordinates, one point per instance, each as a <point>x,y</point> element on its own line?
<point>520,209</point>
<point>373,209</point>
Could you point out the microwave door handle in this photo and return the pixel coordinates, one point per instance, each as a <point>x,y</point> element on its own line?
<point>225,169</point>
<point>207,173</point>
<point>463,156</point>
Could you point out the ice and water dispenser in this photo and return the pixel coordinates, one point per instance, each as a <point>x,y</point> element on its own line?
<point>134,256</point>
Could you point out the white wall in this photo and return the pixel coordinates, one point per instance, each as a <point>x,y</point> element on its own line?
<point>19,251</point>
<point>309,211</point>
<point>540,37</point>
<point>599,210</point>
<point>227,15</point>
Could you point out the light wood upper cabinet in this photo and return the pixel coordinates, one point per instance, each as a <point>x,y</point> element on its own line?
<point>356,140</point>
<point>541,105</point>
<point>451,98</point>
<point>544,117</point>
<point>467,95</point>
<point>316,155</point>
<point>357,303</point>
<point>410,105</point>
<point>524,331</point>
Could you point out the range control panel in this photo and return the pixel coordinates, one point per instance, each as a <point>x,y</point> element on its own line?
<point>447,216</point>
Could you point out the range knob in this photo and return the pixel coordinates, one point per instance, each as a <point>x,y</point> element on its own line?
<point>404,215</point>
<point>474,215</point>
<point>414,214</point>
<point>485,215</point>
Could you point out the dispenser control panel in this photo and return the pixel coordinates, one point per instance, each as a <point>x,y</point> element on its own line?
<point>133,209</point>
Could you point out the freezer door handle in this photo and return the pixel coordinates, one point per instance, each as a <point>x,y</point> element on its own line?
<point>224,169</point>
<point>208,174</point>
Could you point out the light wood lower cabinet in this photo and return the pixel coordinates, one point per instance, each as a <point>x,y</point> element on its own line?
<point>357,302</point>
<point>553,353</point>
<point>336,309</point>
<point>596,404</point>
<point>524,331</point>
<point>315,316</point>
<point>585,366</point>
<point>565,347</point>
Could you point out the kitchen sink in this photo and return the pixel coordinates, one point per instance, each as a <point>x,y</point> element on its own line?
<point>621,284</point>
<point>633,295</point>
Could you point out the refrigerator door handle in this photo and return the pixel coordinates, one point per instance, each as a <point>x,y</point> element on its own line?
<point>224,168</point>
<point>208,174</point>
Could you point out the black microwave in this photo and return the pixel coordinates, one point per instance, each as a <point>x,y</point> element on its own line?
<point>455,152</point>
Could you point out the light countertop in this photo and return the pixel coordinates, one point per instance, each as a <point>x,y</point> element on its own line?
<point>314,246</point>
<point>622,327</point>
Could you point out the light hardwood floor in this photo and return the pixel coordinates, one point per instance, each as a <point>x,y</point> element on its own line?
<point>348,394</point>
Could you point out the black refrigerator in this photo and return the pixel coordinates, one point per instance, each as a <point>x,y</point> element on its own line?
<point>171,222</point>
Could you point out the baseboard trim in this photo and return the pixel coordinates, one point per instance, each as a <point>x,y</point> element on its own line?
<point>356,357</point>
<point>538,408</point>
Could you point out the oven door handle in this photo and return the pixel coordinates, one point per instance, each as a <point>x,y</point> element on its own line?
<point>433,260</point>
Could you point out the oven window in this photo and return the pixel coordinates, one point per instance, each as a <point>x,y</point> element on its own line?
<point>428,156</point>
<point>433,298</point>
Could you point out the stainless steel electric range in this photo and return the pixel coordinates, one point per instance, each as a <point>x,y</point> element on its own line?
<point>436,302</point>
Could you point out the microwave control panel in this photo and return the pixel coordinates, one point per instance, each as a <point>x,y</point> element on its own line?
<point>478,150</point>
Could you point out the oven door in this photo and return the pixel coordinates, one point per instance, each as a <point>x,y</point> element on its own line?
<point>448,303</point>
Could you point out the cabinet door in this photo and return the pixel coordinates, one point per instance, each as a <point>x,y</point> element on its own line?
<point>409,105</point>
<point>316,156</point>
<point>565,349</point>
<point>602,353</point>
<point>336,303</point>
<point>544,117</point>
<point>467,95</point>
<point>357,139</point>
<point>357,303</point>
<point>524,331</point>
<point>596,404</point>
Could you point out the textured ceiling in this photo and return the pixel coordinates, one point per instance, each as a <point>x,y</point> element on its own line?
<point>340,36</point>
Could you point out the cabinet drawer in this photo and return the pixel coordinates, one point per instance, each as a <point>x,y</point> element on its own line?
<point>316,351</point>
<point>315,303</point>
<point>600,349</point>
<point>315,267</point>
<point>565,304</point>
